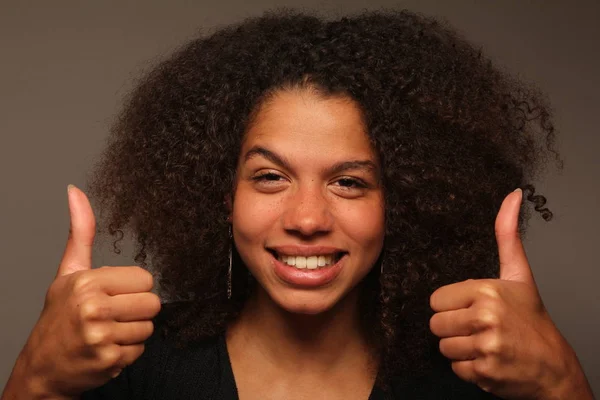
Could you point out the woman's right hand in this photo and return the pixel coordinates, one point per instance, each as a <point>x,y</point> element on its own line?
<point>93,323</point>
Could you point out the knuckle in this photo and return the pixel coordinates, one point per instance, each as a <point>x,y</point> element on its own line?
<point>486,318</point>
<point>93,310</point>
<point>488,290</point>
<point>83,283</point>
<point>489,345</point>
<point>94,336</point>
<point>110,356</point>
<point>87,311</point>
<point>482,369</point>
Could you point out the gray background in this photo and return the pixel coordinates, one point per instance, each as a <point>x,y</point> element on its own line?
<point>64,67</point>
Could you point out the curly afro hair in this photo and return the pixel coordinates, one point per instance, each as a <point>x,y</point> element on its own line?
<point>454,135</point>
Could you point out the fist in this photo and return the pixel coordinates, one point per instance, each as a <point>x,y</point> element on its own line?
<point>497,332</point>
<point>94,321</point>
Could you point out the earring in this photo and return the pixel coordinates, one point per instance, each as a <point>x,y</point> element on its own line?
<point>381,273</point>
<point>230,264</point>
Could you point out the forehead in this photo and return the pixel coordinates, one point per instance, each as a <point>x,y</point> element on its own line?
<point>306,123</point>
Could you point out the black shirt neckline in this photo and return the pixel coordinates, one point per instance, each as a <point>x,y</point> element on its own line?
<point>228,386</point>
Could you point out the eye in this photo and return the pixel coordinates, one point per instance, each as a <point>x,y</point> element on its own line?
<point>268,176</point>
<point>269,182</point>
<point>351,183</point>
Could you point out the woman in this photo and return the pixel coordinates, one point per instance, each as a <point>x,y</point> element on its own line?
<point>328,208</point>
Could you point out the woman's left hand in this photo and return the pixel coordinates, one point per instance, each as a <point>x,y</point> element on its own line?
<point>497,332</point>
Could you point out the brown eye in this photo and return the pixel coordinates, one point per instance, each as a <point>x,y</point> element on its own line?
<point>269,182</point>
<point>350,183</point>
<point>269,176</point>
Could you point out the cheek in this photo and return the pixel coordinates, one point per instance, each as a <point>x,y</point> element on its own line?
<point>364,224</point>
<point>253,215</point>
<point>365,221</point>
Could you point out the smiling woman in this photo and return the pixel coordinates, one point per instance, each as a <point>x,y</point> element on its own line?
<point>330,211</point>
<point>322,198</point>
<point>308,224</point>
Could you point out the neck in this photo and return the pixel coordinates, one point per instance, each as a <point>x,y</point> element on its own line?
<point>300,342</point>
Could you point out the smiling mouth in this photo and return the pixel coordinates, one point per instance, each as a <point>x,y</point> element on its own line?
<point>316,261</point>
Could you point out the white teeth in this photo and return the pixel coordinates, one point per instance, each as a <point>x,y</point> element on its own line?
<point>310,262</point>
<point>300,262</point>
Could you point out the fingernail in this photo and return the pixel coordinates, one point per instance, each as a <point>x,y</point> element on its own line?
<point>69,187</point>
<point>519,190</point>
<point>117,373</point>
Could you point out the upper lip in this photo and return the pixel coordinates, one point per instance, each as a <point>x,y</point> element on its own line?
<point>295,250</point>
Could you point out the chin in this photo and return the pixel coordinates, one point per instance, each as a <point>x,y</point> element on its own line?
<point>306,303</point>
<point>304,309</point>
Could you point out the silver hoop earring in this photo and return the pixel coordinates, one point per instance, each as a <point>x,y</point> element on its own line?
<point>230,264</point>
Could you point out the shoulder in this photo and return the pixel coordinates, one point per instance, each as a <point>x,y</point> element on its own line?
<point>168,370</point>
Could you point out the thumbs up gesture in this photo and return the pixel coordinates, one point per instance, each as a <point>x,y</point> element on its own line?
<point>93,323</point>
<point>497,332</point>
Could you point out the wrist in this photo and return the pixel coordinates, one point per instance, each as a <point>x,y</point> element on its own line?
<point>576,387</point>
<point>573,385</point>
<point>24,383</point>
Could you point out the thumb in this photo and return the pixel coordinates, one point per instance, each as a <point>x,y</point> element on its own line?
<point>78,252</point>
<point>513,260</point>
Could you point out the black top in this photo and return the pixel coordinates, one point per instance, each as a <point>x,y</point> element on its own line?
<point>203,372</point>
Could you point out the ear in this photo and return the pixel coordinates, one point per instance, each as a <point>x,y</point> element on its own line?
<point>229,205</point>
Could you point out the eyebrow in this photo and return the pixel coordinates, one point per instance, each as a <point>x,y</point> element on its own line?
<point>365,165</point>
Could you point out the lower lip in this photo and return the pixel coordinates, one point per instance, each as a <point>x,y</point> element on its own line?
<point>308,278</point>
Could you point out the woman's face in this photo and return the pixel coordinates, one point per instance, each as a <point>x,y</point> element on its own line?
<point>308,211</point>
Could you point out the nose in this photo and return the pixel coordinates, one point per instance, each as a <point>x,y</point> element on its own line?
<point>307,212</point>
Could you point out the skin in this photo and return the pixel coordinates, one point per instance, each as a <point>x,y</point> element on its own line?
<point>497,332</point>
<point>292,342</point>
<point>294,334</point>
<point>93,324</point>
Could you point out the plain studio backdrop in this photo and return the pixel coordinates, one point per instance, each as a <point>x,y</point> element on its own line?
<point>65,66</point>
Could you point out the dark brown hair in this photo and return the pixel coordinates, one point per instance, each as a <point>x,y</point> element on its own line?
<point>454,134</point>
